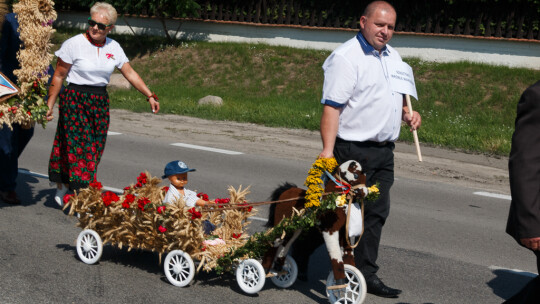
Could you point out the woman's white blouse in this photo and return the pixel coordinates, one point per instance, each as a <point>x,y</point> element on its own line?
<point>91,65</point>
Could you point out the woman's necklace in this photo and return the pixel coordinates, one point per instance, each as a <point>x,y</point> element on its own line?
<point>92,41</point>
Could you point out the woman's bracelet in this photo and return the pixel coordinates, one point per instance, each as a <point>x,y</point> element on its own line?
<point>152,96</point>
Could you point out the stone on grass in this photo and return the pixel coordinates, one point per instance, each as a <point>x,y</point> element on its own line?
<point>118,81</point>
<point>211,100</point>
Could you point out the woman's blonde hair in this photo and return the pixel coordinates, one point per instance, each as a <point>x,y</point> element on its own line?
<point>108,10</point>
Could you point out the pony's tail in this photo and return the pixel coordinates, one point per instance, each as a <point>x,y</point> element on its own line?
<point>274,197</point>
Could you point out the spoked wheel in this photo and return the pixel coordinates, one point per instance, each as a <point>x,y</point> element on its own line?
<point>179,268</point>
<point>356,289</point>
<point>89,246</point>
<point>250,276</point>
<point>288,275</point>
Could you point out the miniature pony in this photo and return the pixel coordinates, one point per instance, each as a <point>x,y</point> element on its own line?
<point>332,223</point>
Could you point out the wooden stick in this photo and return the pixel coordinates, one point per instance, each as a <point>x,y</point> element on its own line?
<point>415,135</point>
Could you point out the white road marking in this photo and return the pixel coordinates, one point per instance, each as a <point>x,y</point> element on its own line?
<point>494,195</point>
<point>515,271</point>
<point>115,190</point>
<point>34,174</point>
<point>206,149</point>
<point>255,218</point>
<point>45,176</point>
<point>113,133</point>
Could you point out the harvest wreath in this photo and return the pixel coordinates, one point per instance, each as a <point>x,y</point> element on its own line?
<point>35,19</point>
<point>138,219</point>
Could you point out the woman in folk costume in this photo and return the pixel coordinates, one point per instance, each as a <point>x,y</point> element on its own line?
<point>87,60</point>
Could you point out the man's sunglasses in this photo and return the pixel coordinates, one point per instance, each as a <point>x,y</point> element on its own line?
<point>100,26</point>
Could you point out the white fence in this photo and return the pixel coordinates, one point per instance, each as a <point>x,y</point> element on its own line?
<point>507,52</point>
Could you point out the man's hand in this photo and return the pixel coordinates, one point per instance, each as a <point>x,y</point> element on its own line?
<point>414,122</point>
<point>531,243</point>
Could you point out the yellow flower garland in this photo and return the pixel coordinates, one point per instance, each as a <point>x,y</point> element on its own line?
<point>314,181</point>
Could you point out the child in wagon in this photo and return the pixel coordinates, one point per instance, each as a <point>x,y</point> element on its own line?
<point>177,173</point>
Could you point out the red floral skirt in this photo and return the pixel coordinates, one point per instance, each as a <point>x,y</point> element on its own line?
<point>80,136</point>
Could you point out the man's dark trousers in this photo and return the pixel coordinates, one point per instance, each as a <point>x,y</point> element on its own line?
<point>12,144</point>
<point>377,160</point>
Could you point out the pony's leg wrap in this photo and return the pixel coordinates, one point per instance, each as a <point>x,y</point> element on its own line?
<point>334,250</point>
<point>348,252</point>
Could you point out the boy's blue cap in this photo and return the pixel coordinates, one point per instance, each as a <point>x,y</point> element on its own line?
<point>176,167</point>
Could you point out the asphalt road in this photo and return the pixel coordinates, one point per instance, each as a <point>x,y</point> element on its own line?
<point>442,242</point>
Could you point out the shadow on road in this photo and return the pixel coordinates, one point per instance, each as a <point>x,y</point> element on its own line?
<point>509,282</point>
<point>25,187</point>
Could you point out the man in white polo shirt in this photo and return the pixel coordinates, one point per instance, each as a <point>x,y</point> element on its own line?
<point>361,120</point>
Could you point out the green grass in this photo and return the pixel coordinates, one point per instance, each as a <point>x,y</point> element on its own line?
<point>464,106</point>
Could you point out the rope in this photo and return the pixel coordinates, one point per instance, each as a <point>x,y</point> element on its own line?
<point>218,207</point>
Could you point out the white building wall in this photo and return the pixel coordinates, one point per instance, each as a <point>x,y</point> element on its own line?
<point>437,48</point>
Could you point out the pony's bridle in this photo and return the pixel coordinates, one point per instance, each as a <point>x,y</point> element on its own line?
<point>346,187</point>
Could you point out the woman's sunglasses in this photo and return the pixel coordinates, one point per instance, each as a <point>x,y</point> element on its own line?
<point>100,26</point>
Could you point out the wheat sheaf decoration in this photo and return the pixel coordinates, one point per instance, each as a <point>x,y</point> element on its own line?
<point>137,219</point>
<point>35,19</point>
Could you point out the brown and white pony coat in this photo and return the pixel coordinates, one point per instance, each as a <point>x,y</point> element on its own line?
<point>332,223</point>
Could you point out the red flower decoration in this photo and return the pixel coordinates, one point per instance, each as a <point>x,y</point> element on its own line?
<point>203,196</point>
<point>128,200</point>
<point>222,201</point>
<point>247,209</point>
<point>165,189</point>
<point>235,236</point>
<point>142,202</point>
<point>160,209</point>
<point>162,229</point>
<point>96,185</point>
<point>109,197</point>
<point>91,165</point>
<point>142,178</point>
<point>67,197</point>
<point>194,213</point>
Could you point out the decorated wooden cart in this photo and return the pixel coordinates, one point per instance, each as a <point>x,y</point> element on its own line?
<point>192,238</point>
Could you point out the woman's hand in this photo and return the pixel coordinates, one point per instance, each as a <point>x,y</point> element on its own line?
<point>49,116</point>
<point>154,105</point>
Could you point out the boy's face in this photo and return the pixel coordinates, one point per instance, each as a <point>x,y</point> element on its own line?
<point>179,180</point>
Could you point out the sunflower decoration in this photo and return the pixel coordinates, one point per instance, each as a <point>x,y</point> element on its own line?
<point>35,19</point>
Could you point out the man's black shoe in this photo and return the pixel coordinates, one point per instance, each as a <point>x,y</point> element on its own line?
<point>376,287</point>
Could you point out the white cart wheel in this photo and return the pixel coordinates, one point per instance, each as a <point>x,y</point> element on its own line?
<point>285,280</point>
<point>179,268</point>
<point>250,276</point>
<point>355,291</point>
<point>89,246</point>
